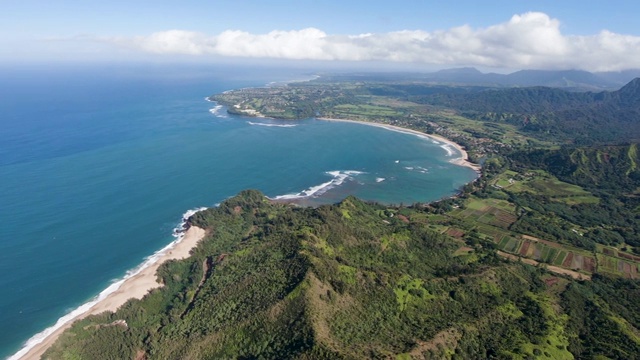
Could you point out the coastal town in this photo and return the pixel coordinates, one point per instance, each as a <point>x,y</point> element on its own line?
<point>359,102</point>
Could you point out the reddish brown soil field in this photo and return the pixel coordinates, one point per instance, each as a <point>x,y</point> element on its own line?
<point>628,269</point>
<point>628,256</point>
<point>506,217</point>
<point>578,262</point>
<point>589,264</point>
<point>403,219</point>
<point>568,260</point>
<point>457,233</point>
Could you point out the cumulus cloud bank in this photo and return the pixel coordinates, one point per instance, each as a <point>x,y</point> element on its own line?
<point>530,40</point>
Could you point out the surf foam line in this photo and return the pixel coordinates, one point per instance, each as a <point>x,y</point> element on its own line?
<point>272,125</point>
<point>339,178</point>
<point>417,168</point>
<point>177,232</point>
<point>446,147</point>
<point>217,110</point>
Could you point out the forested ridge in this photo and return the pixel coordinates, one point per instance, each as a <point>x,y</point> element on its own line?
<point>577,117</point>
<point>613,168</point>
<point>355,280</point>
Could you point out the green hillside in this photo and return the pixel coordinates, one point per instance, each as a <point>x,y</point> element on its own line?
<point>356,280</point>
<point>603,168</point>
<point>580,118</point>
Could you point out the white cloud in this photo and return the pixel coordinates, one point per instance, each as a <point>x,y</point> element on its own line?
<point>530,40</point>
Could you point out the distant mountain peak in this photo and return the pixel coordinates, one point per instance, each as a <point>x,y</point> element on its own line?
<point>630,93</point>
<point>572,79</point>
<point>633,84</point>
<point>461,70</point>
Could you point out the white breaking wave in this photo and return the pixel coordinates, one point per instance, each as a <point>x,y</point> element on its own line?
<point>338,178</point>
<point>448,149</point>
<point>178,234</point>
<point>179,230</point>
<point>272,125</point>
<point>380,180</point>
<point>417,168</point>
<point>218,111</point>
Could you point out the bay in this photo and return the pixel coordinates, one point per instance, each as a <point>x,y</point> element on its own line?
<point>99,162</point>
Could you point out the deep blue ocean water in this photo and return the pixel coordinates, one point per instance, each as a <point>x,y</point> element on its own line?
<point>98,164</point>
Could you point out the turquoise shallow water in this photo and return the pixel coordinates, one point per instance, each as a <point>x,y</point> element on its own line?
<point>97,166</point>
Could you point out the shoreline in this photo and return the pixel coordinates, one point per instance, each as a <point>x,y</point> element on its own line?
<point>141,282</point>
<point>463,160</point>
<point>135,286</point>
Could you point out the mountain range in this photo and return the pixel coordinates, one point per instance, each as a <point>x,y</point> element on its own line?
<point>577,117</point>
<point>574,80</point>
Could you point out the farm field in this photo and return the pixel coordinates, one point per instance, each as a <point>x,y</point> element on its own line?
<point>543,183</point>
<point>364,110</point>
<point>491,219</point>
<point>494,212</point>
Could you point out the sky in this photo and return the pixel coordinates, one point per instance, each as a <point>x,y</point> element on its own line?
<point>515,34</point>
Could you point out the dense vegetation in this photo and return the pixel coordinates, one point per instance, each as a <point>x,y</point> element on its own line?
<point>360,280</point>
<point>611,172</point>
<point>583,118</point>
<point>355,280</point>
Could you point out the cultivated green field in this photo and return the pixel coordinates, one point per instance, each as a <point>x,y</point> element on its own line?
<point>543,183</point>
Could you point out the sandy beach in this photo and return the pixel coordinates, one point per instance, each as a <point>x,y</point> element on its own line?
<point>463,160</point>
<point>134,287</point>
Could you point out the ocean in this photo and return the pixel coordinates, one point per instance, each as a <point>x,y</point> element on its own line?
<point>99,163</point>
